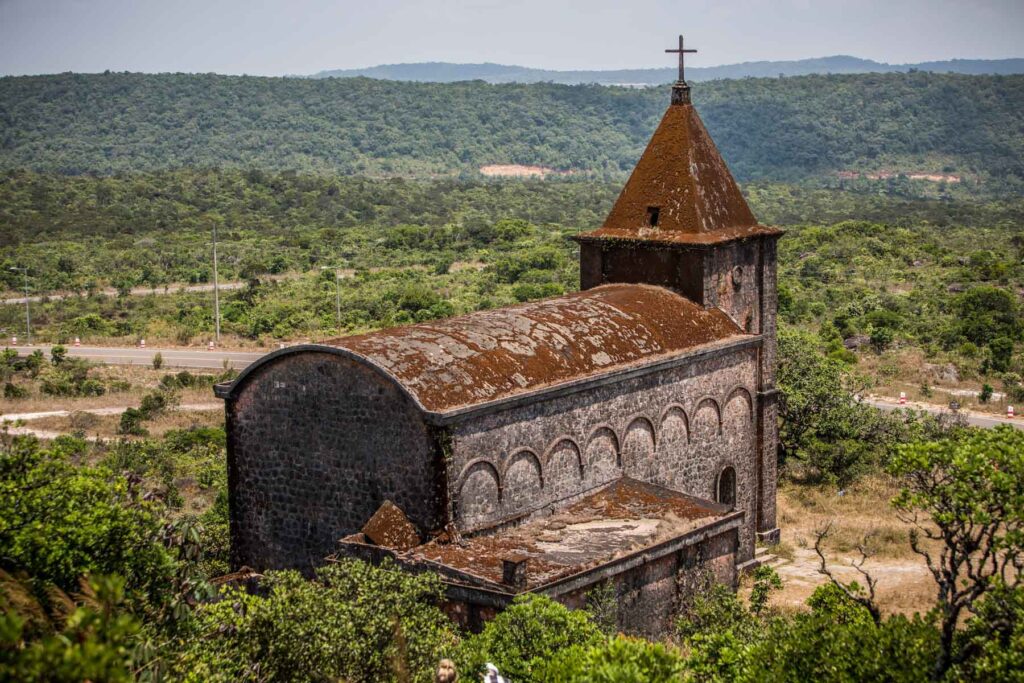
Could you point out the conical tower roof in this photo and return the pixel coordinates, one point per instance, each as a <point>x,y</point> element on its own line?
<point>681,190</point>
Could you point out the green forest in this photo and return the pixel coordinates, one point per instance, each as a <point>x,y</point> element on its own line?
<point>342,206</point>
<point>781,129</point>
<point>880,260</point>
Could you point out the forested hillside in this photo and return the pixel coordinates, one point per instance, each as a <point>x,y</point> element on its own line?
<point>782,129</point>
<point>447,72</point>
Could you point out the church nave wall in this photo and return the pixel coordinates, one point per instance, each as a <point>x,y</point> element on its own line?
<point>677,428</point>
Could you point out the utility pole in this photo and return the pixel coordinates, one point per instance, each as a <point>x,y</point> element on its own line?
<point>216,288</point>
<point>337,294</point>
<point>28,314</point>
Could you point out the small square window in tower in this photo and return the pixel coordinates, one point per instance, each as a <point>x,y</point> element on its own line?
<point>652,216</point>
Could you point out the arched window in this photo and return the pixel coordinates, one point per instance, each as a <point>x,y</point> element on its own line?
<point>725,492</point>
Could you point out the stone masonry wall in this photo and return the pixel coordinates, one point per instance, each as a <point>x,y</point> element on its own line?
<point>317,443</point>
<point>740,279</point>
<point>649,597</point>
<point>731,282</point>
<point>679,428</point>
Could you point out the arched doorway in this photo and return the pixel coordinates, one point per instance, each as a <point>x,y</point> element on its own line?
<point>725,491</point>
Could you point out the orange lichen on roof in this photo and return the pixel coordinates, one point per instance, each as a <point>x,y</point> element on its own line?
<point>496,354</point>
<point>625,517</point>
<point>684,180</point>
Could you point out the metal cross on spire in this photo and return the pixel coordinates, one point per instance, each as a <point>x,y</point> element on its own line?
<point>682,51</point>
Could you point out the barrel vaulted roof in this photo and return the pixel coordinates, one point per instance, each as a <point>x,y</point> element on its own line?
<point>490,355</point>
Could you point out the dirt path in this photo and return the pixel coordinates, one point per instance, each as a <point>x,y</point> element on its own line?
<point>115,410</point>
<point>904,585</point>
<point>15,427</point>
<point>173,288</point>
<point>864,510</point>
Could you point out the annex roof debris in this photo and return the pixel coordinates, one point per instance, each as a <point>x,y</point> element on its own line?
<point>625,517</point>
<point>496,354</point>
<point>389,527</point>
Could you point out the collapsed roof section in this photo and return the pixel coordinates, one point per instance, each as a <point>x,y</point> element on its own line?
<point>601,534</point>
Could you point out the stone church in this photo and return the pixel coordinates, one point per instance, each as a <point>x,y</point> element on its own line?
<point>623,436</point>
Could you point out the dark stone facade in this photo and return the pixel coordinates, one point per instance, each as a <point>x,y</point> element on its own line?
<point>316,443</point>
<point>650,595</point>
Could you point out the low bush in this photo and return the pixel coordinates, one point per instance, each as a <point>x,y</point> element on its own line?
<point>524,637</point>
<point>131,423</point>
<point>353,622</point>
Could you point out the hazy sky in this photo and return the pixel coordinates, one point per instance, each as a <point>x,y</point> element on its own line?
<point>275,37</point>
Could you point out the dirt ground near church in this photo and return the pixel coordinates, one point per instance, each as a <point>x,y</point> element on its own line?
<point>904,583</point>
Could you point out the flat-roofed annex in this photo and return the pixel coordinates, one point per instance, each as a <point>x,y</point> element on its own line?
<point>621,519</point>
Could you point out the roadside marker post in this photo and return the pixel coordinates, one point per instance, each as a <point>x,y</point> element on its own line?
<point>903,398</point>
<point>210,346</point>
<point>1009,411</point>
<point>14,341</point>
<point>78,342</point>
<point>142,343</point>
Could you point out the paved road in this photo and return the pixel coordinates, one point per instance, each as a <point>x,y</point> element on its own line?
<point>973,418</point>
<point>214,360</point>
<point>173,358</point>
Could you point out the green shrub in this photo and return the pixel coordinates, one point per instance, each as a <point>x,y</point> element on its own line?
<point>95,642</point>
<point>353,622</point>
<point>156,403</point>
<point>1001,349</point>
<point>60,521</point>
<point>524,637</point>
<point>618,660</point>
<point>131,423</point>
<point>158,360</point>
<point>831,603</point>
<point>91,387</point>
<point>823,427</point>
<point>992,641</point>
<point>986,313</point>
<point>815,647</point>
<point>12,390</point>
<point>69,377</point>
<point>58,354</point>
<point>881,338</point>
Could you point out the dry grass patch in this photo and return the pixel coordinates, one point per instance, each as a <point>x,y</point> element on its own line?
<point>105,426</point>
<point>140,380</point>
<point>861,512</point>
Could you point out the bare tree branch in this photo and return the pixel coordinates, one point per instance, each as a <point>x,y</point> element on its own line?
<point>865,601</point>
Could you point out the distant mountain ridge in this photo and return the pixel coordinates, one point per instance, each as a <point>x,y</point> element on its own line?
<point>447,72</point>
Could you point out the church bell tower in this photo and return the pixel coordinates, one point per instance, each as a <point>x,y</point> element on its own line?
<point>682,223</point>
